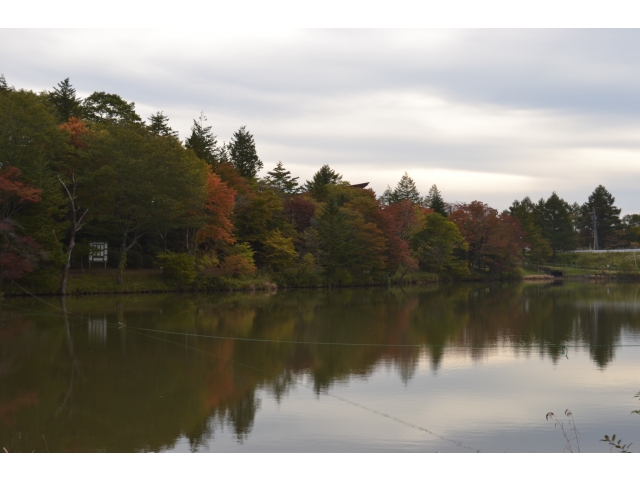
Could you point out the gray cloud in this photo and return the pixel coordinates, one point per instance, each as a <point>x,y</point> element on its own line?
<point>557,109</point>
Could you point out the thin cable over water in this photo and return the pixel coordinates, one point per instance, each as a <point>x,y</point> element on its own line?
<point>297,382</point>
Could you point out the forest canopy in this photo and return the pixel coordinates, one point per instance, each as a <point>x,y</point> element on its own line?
<point>74,171</point>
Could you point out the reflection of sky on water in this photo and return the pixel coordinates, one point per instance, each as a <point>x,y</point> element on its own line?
<point>494,404</point>
<point>327,373</point>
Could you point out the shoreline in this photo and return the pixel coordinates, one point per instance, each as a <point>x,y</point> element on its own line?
<point>133,287</point>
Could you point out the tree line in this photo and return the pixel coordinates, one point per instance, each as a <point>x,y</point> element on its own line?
<point>75,171</point>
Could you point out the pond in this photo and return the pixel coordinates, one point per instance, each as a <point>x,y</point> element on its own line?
<point>449,368</point>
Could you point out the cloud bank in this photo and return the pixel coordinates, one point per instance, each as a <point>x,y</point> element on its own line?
<point>492,115</point>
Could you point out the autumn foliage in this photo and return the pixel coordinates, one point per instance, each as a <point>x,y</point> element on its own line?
<point>19,254</point>
<point>495,240</point>
<point>217,209</point>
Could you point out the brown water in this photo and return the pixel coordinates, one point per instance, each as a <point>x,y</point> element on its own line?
<point>451,368</point>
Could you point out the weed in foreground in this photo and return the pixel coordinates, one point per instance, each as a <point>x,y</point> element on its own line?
<point>571,427</point>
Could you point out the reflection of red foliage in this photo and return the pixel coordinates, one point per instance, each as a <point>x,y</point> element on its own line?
<point>8,410</point>
<point>14,329</point>
<point>299,210</point>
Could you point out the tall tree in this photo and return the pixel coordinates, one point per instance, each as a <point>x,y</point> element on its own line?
<point>243,155</point>
<point>101,107</point>
<point>405,190</point>
<point>65,101</point>
<point>607,215</point>
<point>159,125</point>
<point>299,210</point>
<point>217,228</point>
<point>436,244</point>
<point>435,202</point>
<point>31,141</point>
<point>337,241</point>
<point>323,177</point>
<point>495,240</point>
<point>3,84</point>
<point>19,254</point>
<point>148,183</point>
<point>282,181</point>
<point>554,218</point>
<point>537,249</point>
<point>74,175</point>
<point>203,142</point>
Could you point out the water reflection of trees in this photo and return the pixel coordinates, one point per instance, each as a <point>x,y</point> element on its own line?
<point>143,390</point>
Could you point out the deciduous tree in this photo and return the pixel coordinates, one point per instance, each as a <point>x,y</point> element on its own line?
<point>436,244</point>
<point>218,209</point>
<point>109,107</point>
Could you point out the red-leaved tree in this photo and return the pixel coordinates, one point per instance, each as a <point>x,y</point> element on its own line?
<point>495,240</point>
<point>19,254</point>
<point>299,210</point>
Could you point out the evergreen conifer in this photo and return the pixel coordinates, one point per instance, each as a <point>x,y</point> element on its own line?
<point>243,155</point>
<point>65,101</point>
<point>203,142</point>
<point>435,201</point>
<point>159,126</point>
<point>281,180</point>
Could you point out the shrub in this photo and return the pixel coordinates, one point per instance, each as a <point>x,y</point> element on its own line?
<point>179,267</point>
<point>240,262</point>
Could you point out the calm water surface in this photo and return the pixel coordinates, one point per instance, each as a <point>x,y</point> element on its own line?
<point>449,369</point>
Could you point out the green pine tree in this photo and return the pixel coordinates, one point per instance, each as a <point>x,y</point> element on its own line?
<point>203,142</point>
<point>553,216</point>
<point>64,99</point>
<point>282,181</point>
<point>159,126</point>
<point>243,155</point>
<point>435,201</point>
<point>3,84</point>
<point>538,249</point>
<point>336,241</point>
<point>607,219</point>
<point>323,177</point>
<point>406,190</point>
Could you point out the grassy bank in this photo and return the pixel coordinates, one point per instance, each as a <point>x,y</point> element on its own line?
<point>103,281</point>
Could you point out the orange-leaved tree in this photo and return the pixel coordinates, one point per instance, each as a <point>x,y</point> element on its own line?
<point>217,210</point>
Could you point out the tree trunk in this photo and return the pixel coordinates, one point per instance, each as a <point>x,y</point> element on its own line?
<point>123,259</point>
<point>76,225</point>
<point>65,273</point>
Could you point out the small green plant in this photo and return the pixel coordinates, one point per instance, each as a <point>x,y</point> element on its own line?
<point>571,426</point>
<point>624,448</point>
<point>179,267</point>
<point>637,395</point>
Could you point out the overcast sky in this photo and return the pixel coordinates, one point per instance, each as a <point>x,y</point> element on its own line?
<point>489,115</point>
